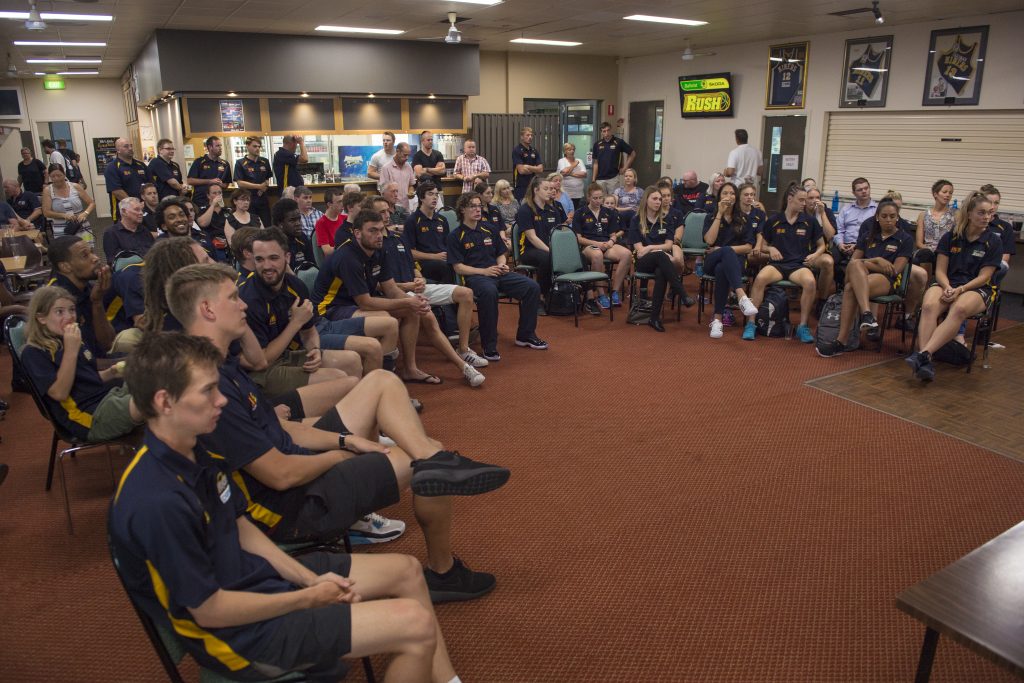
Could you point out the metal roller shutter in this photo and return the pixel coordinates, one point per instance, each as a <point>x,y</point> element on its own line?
<point>910,151</point>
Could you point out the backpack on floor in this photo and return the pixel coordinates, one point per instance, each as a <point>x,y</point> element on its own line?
<point>773,313</point>
<point>828,325</point>
<point>640,310</point>
<point>447,318</point>
<point>563,299</point>
<point>954,353</point>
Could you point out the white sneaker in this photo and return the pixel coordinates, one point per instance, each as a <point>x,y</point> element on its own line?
<point>473,359</point>
<point>747,306</point>
<point>472,375</point>
<point>716,329</point>
<point>386,441</point>
<point>374,528</point>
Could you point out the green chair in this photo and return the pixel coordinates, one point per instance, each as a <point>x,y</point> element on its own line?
<point>892,304</point>
<point>451,217</point>
<point>125,259</point>
<point>318,255</point>
<point>693,235</point>
<point>308,277</point>
<point>566,266</point>
<point>517,235</point>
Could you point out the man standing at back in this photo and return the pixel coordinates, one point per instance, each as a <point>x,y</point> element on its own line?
<point>252,172</point>
<point>125,175</point>
<point>607,153</point>
<point>427,160</point>
<point>400,172</point>
<point>53,156</point>
<point>164,171</point>
<point>526,163</point>
<point>745,164</point>
<point>208,170</point>
<point>287,160</point>
<point>381,157</point>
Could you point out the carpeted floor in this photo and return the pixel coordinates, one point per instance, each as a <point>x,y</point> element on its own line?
<point>681,509</point>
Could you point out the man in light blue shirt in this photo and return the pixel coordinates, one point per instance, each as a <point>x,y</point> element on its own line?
<point>848,227</point>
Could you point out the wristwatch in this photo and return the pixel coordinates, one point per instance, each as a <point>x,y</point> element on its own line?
<point>341,439</point>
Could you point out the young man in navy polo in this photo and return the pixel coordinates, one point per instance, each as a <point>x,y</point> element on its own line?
<point>253,172</point>
<point>77,268</point>
<point>208,170</point>
<point>526,163</point>
<point>477,253</point>
<point>608,164</point>
<point>164,171</point>
<point>193,561</point>
<point>426,234</point>
<point>296,477</point>
<point>286,216</point>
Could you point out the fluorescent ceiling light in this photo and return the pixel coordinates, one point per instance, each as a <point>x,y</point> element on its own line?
<point>55,43</point>
<point>69,73</point>
<point>64,61</point>
<point>57,16</point>
<point>356,29</point>
<point>538,41</point>
<point>665,20</point>
<point>480,2</point>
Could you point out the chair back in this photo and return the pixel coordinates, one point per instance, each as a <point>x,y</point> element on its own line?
<point>449,215</point>
<point>901,291</point>
<point>693,231</point>
<point>15,327</point>
<point>318,255</point>
<point>565,254</point>
<point>308,277</point>
<point>517,244</point>
<point>125,259</point>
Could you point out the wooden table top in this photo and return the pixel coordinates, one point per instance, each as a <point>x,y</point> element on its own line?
<point>978,600</point>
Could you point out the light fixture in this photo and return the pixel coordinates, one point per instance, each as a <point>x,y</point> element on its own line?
<point>357,29</point>
<point>879,19</point>
<point>232,94</point>
<point>454,35</point>
<point>665,20</point>
<point>305,94</point>
<point>480,2</point>
<point>55,43</point>
<point>58,16</point>
<point>431,96</point>
<point>538,41</point>
<point>371,96</point>
<point>64,61</point>
<point>78,73</point>
<point>34,21</point>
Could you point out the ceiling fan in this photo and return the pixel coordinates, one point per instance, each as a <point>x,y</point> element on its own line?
<point>454,35</point>
<point>879,19</point>
<point>688,53</point>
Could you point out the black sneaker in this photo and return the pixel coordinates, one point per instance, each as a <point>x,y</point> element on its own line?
<point>926,369</point>
<point>688,301</point>
<point>447,473</point>
<point>867,321</point>
<point>591,307</point>
<point>833,348</point>
<point>914,361</point>
<point>492,356</point>
<point>533,342</point>
<point>458,583</point>
<point>873,334</point>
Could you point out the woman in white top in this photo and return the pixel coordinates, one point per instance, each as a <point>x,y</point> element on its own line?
<point>64,201</point>
<point>573,172</point>
<point>933,224</point>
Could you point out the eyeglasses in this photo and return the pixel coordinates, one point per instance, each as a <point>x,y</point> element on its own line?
<point>475,206</point>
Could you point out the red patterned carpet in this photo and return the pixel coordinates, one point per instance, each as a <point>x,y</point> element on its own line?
<point>681,509</point>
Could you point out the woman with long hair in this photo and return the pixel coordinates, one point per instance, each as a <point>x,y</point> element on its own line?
<point>505,203</point>
<point>629,195</point>
<point>63,369</point>
<point>875,269</point>
<point>65,202</point>
<point>966,258</point>
<point>651,238</point>
<point>730,238</point>
<point>933,223</point>
<point>537,218</point>
<point>597,230</point>
<point>756,217</point>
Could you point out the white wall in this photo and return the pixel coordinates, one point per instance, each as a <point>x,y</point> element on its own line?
<point>703,144</point>
<point>96,102</point>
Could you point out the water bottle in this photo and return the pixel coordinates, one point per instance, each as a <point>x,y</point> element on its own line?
<point>835,202</point>
<point>954,205</point>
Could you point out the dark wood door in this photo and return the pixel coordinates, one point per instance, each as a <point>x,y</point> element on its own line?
<point>645,137</point>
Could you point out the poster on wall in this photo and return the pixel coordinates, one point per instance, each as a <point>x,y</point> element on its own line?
<point>232,119</point>
<point>706,95</point>
<point>786,86</point>
<point>866,72</point>
<point>353,160</point>
<point>105,151</point>
<point>956,60</point>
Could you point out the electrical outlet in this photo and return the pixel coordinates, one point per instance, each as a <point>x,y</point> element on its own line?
<point>668,167</point>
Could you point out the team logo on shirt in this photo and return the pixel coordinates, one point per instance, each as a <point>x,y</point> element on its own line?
<point>252,400</point>
<point>800,232</point>
<point>487,242</point>
<point>978,253</point>
<point>891,248</point>
<point>223,490</point>
<point>375,271</point>
<point>87,353</point>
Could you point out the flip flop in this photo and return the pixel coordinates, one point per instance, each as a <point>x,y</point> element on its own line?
<point>429,379</point>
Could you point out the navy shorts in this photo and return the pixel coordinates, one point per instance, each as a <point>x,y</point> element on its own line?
<point>335,333</point>
<point>341,312</point>
<point>787,268</point>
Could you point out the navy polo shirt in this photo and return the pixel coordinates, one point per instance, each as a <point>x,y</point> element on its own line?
<point>33,175</point>
<point>689,199</point>
<point>343,234</point>
<point>129,284</point>
<point>727,235</point>
<point>1006,234</point>
<point>901,224</point>
<point>674,218</point>
<point>429,235</point>
<point>606,156</point>
<point>598,228</point>
<point>756,219</point>
<point>256,171</point>
<point>205,168</point>
<point>87,390</point>
<point>794,240</point>
<point>247,429</point>
<point>347,273</point>
<point>522,154</point>
<point>399,258</point>
<point>268,310</point>
<point>25,203</point>
<point>490,216</point>
<point>966,259</point>
<point>286,168</point>
<point>301,250</point>
<point>6,213</point>
<point>129,177</point>
<point>117,238</point>
<point>897,245</point>
<point>543,222</point>
<point>160,172</point>
<point>658,233</point>
<point>477,247</point>
<point>174,528</point>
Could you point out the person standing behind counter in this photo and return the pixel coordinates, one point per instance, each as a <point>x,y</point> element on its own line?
<point>287,160</point>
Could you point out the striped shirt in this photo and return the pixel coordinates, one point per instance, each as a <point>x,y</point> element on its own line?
<point>309,222</point>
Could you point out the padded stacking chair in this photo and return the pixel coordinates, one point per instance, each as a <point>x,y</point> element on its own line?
<point>566,266</point>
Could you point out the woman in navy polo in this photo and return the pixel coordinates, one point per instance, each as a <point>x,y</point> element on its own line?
<point>730,237</point>
<point>651,237</point>
<point>63,369</point>
<point>537,219</point>
<point>755,216</point>
<point>966,258</point>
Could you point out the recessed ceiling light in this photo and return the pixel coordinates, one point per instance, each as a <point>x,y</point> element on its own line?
<point>55,43</point>
<point>665,20</point>
<point>57,16</point>
<point>538,41</point>
<point>431,96</point>
<point>357,29</point>
<point>371,96</point>
<point>232,94</point>
<point>480,2</point>
<point>64,61</point>
<point>305,94</point>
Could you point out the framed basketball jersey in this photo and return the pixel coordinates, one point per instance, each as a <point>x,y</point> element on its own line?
<point>786,86</point>
<point>866,72</point>
<point>956,60</point>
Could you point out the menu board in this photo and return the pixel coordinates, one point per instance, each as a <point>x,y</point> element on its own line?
<point>105,151</point>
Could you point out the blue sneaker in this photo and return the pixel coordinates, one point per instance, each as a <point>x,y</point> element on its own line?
<point>749,331</point>
<point>604,302</point>
<point>699,270</point>
<point>803,333</point>
<point>616,301</point>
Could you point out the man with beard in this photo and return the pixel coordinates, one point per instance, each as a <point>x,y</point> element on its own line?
<point>208,170</point>
<point>172,220</point>
<point>77,268</point>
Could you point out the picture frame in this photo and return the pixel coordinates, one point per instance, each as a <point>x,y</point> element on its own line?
<point>865,76</point>
<point>786,78</point>
<point>956,64</point>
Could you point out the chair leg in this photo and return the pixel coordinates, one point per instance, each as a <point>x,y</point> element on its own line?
<point>53,460</point>
<point>64,488</point>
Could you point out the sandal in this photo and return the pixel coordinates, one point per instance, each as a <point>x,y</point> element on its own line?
<point>427,379</point>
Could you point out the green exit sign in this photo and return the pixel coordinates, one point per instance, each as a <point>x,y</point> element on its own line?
<point>53,83</point>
